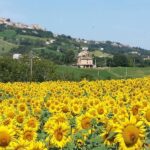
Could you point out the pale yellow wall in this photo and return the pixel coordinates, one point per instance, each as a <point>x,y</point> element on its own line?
<point>85,62</point>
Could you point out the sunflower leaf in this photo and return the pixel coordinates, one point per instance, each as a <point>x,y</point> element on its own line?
<point>111,135</point>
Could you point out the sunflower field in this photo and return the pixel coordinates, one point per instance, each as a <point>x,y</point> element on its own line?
<point>95,115</point>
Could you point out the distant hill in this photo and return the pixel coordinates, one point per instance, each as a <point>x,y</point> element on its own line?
<point>61,49</point>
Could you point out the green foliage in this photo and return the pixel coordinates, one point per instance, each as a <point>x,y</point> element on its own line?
<point>12,70</point>
<point>43,70</point>
<point>41,135</point>
<point>45,114</point>
<point>69,56</point>
<point>72,122</point>
<point>47,96</point>
<point>4,95</point>
<point>120,60</point>
<point>19,70</point>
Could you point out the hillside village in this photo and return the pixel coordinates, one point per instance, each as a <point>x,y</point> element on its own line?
<point>9,22</point>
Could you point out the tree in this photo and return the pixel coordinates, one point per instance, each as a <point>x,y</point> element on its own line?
<point>110,62</point>
<point>13,70</point>
<point>120,60</point>
<point>43,70</point>
<point>69,56</point>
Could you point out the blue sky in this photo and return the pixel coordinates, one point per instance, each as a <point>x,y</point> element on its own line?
<point>125,21</point>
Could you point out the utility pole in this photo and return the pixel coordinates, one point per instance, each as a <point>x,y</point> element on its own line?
<point>95,63</point>
<point>133,62</point>
<point>98,73</point>
<point>31,65</point>
<point>105,64</point>
<point>126,72</point>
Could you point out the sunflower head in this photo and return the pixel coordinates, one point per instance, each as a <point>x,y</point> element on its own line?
<point>147,115</point>
<point>20,119</point>
<point>29,134</point>
<point>6,136</point>
<point>20,144</point>
<point>60,134</point>
<point>135,109</point>
<point>130,135</point>
<point>84,121</point>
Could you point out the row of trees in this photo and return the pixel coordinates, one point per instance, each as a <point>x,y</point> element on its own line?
<point>20,70</point>
<point>122,60</point>
<point>61,58</point>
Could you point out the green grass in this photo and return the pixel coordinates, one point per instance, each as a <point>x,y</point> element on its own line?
<point>31,37</point>
<point>8,33</point>
<point>98,53</point>
<point>76,74</point>
<point>133,72</point>
<point>5,46</point>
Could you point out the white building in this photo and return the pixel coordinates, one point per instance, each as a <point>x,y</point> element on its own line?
<point>147,58</point>
<point>51,41</point>
<point>85,48</point>
<point>17,56</point>
<point>135,52</point>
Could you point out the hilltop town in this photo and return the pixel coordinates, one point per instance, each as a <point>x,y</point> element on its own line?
<point>9,22</point>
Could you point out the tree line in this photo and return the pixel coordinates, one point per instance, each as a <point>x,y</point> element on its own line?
<point>20,70</point>
<point>122,60</point>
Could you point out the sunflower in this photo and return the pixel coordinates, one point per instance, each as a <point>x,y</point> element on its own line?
<point>75,109</point>
<point>146,115</point>
<point>59,118</point>
<point>84,121</point>
<point>22,108</point>
<point>10,113</point>
<point>28,134</point>
<point>60,135</point>
<point>52,108</point>
<point>48,125</point>
<point>130,134</point>
<point>36,111</point>
<point>65,108</point>
<point>6,137</point>
<point>135,107</point>
<point>37,146</point>
<point>19,120</point>
<point>101,111</point>
<point>20,145</point>
<point>80,143</point>
<point>32,123</point>
<point>108,133</point>
<point>92,112</point>
<point>6,122</point>
<point>121,114</point>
